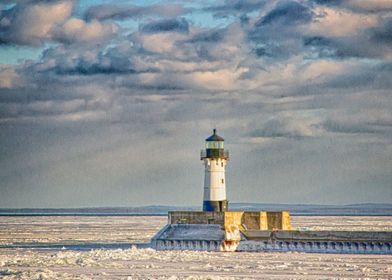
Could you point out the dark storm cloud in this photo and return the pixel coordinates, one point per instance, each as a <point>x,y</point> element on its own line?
<point>282,33</point>
<point>83,68</point>
<point>329,2</point>
<point>109,62</point>
<point>373,42</point>
<point>276,128</point>
<point>369,43</point>
<point>210,36</point>
<point>377,125</point>
<point>120,12</point>
<point>366,42</point>
<point>322,46</point>
<point>277,34</point>
<point>287,13</point>
<point>166,25</point>
<point>205,45</point>
<point>316,41</point>
<point>341,127</point>
<point>236,7</point>
<point>383,32</point>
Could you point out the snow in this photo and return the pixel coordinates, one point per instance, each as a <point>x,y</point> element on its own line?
<point>354,223</point>
<point>148,263</point>
<point>141,263</point>
<point>78,229</point>
<point>192,232</point>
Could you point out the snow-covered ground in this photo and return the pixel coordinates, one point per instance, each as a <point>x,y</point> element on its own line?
<point>354,223</point>
<point>78,229</point>
<point>25,261</point>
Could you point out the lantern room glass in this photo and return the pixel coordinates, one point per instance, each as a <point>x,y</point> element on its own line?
<point>214,145</point>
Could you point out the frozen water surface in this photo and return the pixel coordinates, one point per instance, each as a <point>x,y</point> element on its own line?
<point>78,229</point>
<point>20,258</point>
<point>357,223</point>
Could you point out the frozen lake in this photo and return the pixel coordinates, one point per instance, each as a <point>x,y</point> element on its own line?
<point>69,247</point>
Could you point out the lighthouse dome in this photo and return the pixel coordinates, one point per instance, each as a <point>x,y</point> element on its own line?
<point>215,148</point>
<point>214,137</point>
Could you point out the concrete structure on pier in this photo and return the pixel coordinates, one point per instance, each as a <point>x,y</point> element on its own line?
<point>243,220</point>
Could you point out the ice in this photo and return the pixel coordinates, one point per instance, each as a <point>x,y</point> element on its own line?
<point>148,263</point>
<point>27,262</point>
<point>354,223</point>
<point>78,230</point>
<point>192,232</point>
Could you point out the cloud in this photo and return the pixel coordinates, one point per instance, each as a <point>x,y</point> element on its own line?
<point>383,32</point>
<point>166,25</point>
<point>277,128</point>
<point>287,13</point>
<point>9,78</point>
<point>209,36</point>
<point>121,12</point>
<point>225,45</point>
<point>31,23</point>
<point>77,30</point>
<point>351,128</point>
<point>345,34</point>
<point>35,22</point>
<point>236,7</point>
<point>276,34</point>
<point>369,6</point>
<point>372,120</point>
<point>373,42</point>
<point>292,28</point>
<point>361,6</point>
<point>332,22</point>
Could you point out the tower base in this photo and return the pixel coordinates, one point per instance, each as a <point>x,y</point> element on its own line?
<point>215,206</point>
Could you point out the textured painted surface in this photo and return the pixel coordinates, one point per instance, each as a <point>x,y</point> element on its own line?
<point>216,206</point>
<point>326,235</point>
<point>244,220</point>
<point>196,217</point>
<point>278,220</point>
<point>214,179</point>
<point>233,219</point>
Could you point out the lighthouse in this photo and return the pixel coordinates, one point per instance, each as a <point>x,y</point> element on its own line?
<point>215,158</point>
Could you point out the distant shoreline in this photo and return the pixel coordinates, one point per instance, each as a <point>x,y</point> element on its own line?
<point>165,214</point>
<point>365,209</point>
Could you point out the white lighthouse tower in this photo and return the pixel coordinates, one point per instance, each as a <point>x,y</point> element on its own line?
<point>215,158</point>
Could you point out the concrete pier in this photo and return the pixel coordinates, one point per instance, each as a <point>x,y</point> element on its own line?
<point>261,231</point>
<point>243,220</point>
<point>214,238</point>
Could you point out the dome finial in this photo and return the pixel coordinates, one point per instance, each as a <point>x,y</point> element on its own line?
<point>214,130</point>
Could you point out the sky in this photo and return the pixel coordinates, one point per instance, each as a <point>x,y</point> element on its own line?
<point>108,103</point>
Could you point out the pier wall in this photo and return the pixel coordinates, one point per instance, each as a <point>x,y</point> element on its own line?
<point>196,217</point>
<point>212,237</point>
<point>243,220</point>
<point>320,236</point>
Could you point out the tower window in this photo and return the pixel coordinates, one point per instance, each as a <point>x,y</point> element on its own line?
<point>223,181</point>
<point>222,163</point>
